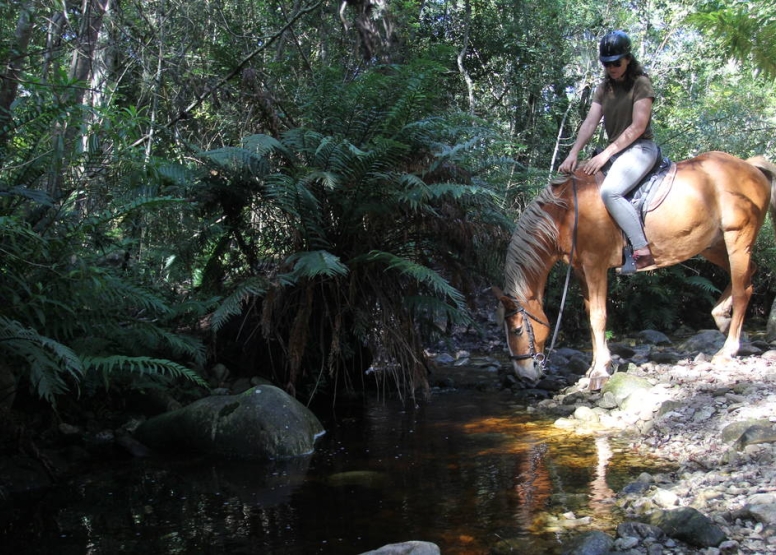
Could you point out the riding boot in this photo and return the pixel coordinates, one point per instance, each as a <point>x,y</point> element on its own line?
<point>643,258</point>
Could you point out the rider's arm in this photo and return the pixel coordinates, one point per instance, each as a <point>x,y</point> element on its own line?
<point>586,131</point>
<point>642,110</point>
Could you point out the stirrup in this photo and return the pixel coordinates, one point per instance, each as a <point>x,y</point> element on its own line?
<point>629,263</point>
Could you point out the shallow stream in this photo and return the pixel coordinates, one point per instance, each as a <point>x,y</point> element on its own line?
<point>470,471</point>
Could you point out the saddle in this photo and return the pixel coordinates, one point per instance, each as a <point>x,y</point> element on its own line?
<point>653,188</point>
<point>645,197</point>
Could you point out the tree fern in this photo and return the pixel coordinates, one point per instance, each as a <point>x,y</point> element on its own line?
<point>369,221</point>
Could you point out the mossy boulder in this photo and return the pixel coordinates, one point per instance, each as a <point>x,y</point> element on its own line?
<point>264,422</point>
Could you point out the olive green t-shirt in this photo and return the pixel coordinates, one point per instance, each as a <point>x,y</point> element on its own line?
<point>617,103</point>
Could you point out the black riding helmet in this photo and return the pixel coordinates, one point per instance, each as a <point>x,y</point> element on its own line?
<point>614,46</point>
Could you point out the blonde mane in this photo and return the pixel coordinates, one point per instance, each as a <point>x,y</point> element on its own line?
<point>533,242</point>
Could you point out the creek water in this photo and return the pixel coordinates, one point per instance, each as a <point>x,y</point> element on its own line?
<point>470,471</point>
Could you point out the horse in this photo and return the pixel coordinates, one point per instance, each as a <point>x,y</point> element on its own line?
<point>715,208</point>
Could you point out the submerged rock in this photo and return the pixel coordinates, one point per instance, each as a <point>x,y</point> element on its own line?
<point>263,422</point>
<point>363,478</point>
<point>591,543</point>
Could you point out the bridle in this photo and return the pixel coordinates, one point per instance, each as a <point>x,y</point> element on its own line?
<point>537,357</point>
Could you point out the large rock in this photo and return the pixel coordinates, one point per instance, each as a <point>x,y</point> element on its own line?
<point>690,526</point>
<point>406,548</point>
<point>705,341</point>
<point>263,422</point>
<point>622,386</point>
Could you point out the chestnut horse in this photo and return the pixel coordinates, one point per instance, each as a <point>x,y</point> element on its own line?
<point>715,209</point>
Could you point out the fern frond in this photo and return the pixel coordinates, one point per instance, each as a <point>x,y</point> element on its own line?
<point>47,360</point>
<point>141,365</point>
<point>117,291</point>
<point>702,283</point>
<point>417,272</point>
<point>38,196</point>
<point>177,174</point>
<point>437,308</point>
<point>236,159</point>
<point>312,264</point>
<point>233,304</point>
<point>264,145</point>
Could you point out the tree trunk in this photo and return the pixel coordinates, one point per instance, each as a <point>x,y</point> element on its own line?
<point>13,66</point>
<point>81,70</point>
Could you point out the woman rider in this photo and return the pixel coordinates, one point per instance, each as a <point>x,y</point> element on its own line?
<point>624,100</point>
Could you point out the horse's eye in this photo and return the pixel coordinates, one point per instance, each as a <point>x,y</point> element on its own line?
<point>517,331</point>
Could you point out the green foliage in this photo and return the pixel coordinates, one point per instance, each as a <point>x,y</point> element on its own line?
<point>332,199</point>
<point>352,235</point>
<point>744,29</point>
<point>48,363</point>
<point>658,300</point>
<point>109,367</point>
<point>65,305</point>
<point>75,301</point>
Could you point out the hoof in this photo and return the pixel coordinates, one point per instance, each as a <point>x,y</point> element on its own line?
<point>597,383</point>
<point>721,359</point>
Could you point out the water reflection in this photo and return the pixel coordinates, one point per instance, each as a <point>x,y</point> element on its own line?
<point>468,471</point>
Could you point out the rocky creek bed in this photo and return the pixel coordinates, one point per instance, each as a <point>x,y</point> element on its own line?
<point>716,423</point>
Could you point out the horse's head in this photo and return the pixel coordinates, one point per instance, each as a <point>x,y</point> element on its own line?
<point>527,330</point>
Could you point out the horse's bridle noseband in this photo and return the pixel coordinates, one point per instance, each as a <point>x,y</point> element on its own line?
<point>527,317</point>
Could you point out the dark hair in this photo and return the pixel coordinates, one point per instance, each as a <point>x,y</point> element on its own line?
<point>634,70</point>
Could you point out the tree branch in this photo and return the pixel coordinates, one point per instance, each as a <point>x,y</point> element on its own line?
<point>197,101</point>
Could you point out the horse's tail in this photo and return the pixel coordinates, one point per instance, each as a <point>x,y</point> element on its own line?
<point>769,169</point>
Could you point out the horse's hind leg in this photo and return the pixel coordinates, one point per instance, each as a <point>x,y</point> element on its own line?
<point>723,311</point>
<point>739,293</point>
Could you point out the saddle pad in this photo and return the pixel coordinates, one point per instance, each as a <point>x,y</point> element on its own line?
<point>654,188</point>
<point>660,192</point>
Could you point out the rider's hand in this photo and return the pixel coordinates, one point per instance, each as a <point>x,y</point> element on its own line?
<point>596,163</point>
<point>569,164</point>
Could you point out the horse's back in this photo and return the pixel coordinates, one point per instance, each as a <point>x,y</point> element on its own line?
<point>723,169</point>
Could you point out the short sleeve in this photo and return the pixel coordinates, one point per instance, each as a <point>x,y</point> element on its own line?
<point>642,88</point>
<point>598,94</point>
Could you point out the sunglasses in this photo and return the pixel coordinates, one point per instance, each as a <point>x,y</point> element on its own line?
<point>615,63</point>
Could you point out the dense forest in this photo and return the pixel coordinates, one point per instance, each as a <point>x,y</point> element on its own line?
<point>296,189</point>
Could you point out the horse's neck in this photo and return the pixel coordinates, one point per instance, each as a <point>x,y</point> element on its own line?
<point>534,248</point>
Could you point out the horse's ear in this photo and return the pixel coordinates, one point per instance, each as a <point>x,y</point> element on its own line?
<point>505,300</point>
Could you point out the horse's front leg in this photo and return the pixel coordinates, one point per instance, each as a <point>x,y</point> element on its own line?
<point>594,288</point>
